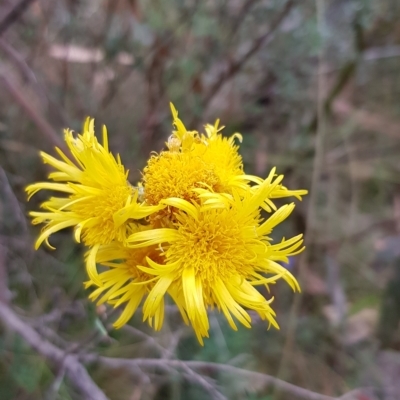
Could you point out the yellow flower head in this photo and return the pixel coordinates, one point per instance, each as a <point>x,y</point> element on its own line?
<point>196,160</point>
<point>192,229</point>
<point>124,283</point>
<point>217,252</point>
<point>96,193</point>
<point>171,174</point>
<point>193,161</point>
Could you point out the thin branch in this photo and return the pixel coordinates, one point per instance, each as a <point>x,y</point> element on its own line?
<point>244,10</point>
<point>12,201</point>
<point>54,387</point>
<point>189,374</point>
<point>74,371</point>
<point>82,382</point>
<point>27,73</point>
<point>210,367</point>
<point>237,65</point>
<point>202,381</point>
<point>119,80</point>
<point>147,339</point>
<point>36,118</point>
<point>14,15</point>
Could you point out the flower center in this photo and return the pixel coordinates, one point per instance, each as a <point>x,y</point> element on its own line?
<point>97,211</point>
<point>173,174</point>
<point>138,257</point>
<point>216,245</point>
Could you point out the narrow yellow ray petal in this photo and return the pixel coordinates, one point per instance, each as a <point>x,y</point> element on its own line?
<point>275,219</point>
<point>91,265</point>
<point>130,309</point>
<point>155,296</point>
<point>182,205</point>
<point>50,230</point>
<point>154,236</point>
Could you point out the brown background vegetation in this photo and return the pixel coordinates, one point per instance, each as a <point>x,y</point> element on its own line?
<point>313,86</point>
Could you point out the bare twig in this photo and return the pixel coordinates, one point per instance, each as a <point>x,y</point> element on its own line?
<point>238,64</point>
<point>74,371</point>
<point>210,367</point>
<point>54,387</point>
<point>27,73</point>
<point>189,374</point>
<point>118,81</point>
<point>197,378</point>
<point>14,15</point>
<point>13,202</point>
<point>147,339</point>
<point>37,119</point>
<point>23,67</point>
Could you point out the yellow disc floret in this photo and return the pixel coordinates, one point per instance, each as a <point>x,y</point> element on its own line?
<point>171,174</point>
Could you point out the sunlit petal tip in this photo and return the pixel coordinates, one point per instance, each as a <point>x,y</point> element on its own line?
<point>87,284</point>
<point>37,244</point>
<point>46,241</point>
<point>105,138</point>
<point>77,233</point>
<point>237,136</point>
<point>183,205</point>
<point>173,110</point>
<point>91,267</point>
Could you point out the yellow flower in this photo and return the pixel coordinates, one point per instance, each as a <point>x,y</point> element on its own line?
<point>124,283</point>
<point>99,199</point>
<point>193,161</point>
<point>279,191</point>
<point>222,155</point>
<point>192,229</point>
<point>171,174</point>
<point>216,252</point>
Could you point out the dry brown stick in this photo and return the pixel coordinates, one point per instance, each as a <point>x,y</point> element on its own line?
<point>210,367</point>
<point>43,126</point>
<point>237,65</point>
<point>74,371</point>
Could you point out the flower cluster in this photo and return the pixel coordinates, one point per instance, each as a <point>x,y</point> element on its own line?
<point>196,227</point>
